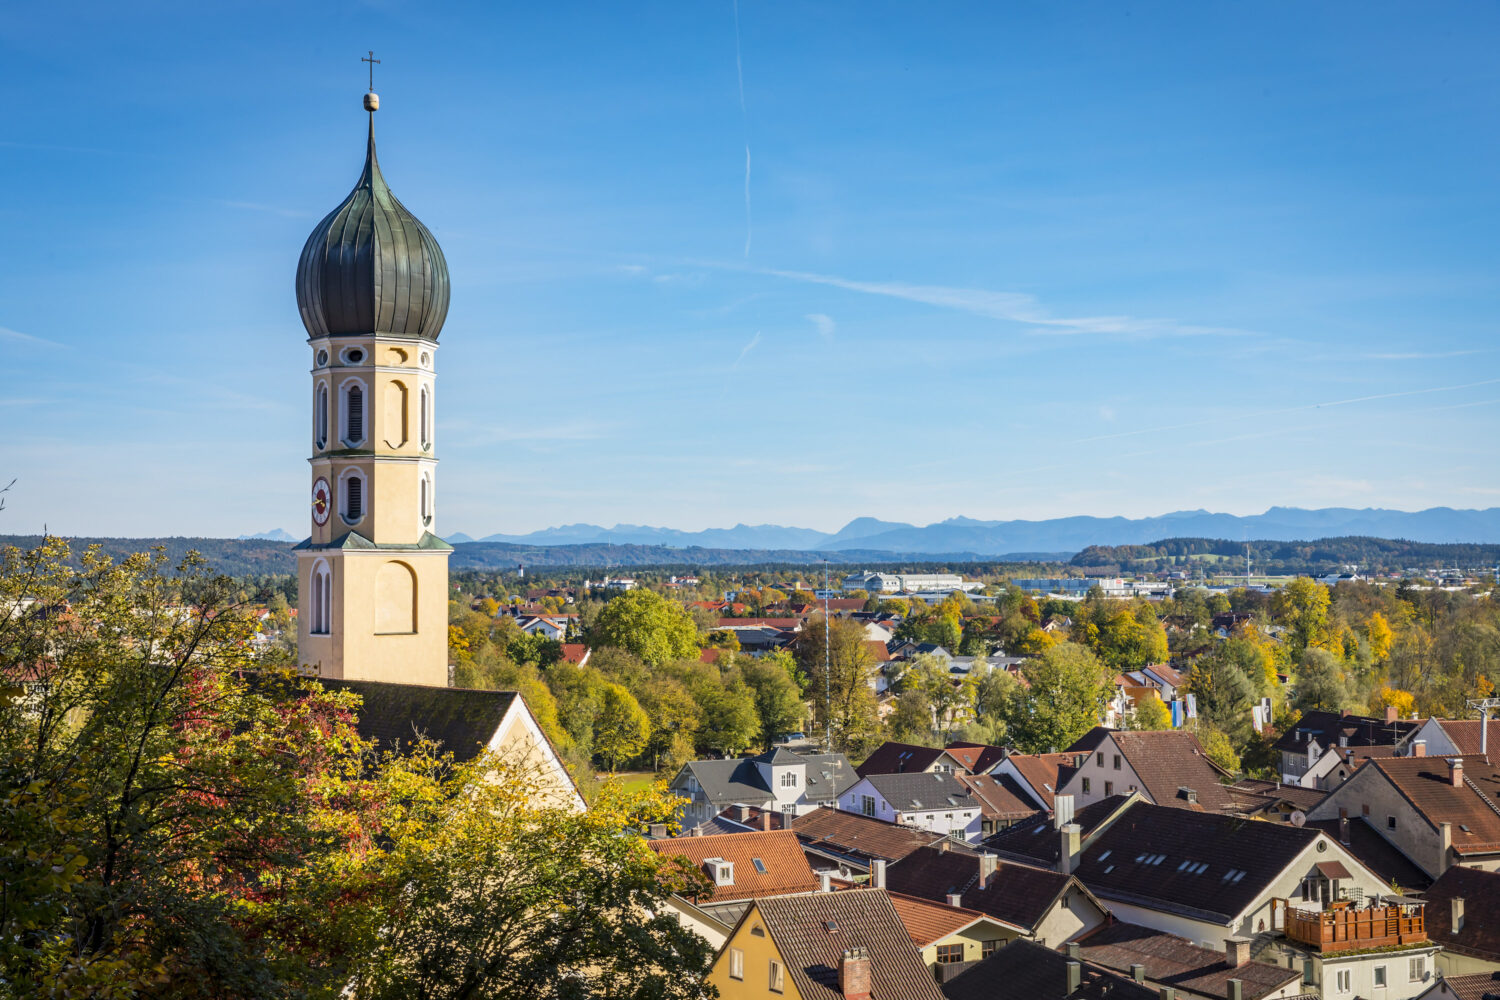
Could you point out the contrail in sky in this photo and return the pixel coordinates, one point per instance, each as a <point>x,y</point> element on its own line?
<point>739,72</point>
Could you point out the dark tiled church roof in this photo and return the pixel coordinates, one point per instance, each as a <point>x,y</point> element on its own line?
<point>463,721</point>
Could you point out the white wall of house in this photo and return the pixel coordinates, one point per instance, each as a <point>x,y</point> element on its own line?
<point>1106,772</point>
<point>1408,973</point>
<point>947,820</point>
<point>1072,915</point>
<point>1451,963</point>
<point>1370,794</point>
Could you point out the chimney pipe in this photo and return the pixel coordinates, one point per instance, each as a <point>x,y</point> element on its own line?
<point>987,864</point>
<point>854,974</point>
<point>1456,914</point>
<point>1445,845</point>
<point>742,812</point>
<point>1456,772</point>
<point>1075,977</point>
<point>825,881</point>
<point>1062,811</point>
<point>877,873</point>
<point>1236,951</point>
<point>955,899</point>
<point>1138,972</point>
<point>697,831</point>
<point>765,819</point>
<point>1390,713</point>
<point>1236,990</point>
<point>1167,993</point>
<point>1419,748</point>
<point>1343,826</point>
<point>1075,951</point>
<point>1067,855</point>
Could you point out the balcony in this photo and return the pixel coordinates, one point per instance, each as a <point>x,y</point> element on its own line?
<point>1343,926</point>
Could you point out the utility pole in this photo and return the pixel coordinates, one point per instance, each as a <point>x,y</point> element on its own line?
<point>1483,705</point>
<point>827,667</point>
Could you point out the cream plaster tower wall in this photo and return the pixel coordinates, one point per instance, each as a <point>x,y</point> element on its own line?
<point>372,288</point>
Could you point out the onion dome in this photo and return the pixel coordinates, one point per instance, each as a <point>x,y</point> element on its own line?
<point>370,267</point>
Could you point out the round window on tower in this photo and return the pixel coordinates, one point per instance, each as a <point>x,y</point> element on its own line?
<point>353,355</point>
<point>322,358</point>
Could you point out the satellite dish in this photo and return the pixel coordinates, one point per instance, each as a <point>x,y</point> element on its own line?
<point>1298,817</point>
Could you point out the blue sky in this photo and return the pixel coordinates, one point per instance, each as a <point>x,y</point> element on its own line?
<point>999,260</point>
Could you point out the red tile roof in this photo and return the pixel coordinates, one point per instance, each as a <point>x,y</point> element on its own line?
<point>1175,961</point>
<point>1473,808</point>
<point>1480,890</point>
<point>863,838</point>
<point>898,758</point>
<point>1169,760</point>
<point>780,853</point>
<point>1475,986</point>
<point>1466,736</point>
<point>977,757</point>
<point>1015,894</point>
<point>813,931</point>
<point>1042,771</point>
<point>928,921</point>
<point>575,652</point>
<point>878,650</point>
<point>1000,798</point>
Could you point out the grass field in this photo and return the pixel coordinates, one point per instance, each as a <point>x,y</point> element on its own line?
<point>632,780</point>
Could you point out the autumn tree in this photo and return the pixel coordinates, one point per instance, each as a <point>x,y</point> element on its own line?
<point>1067,692</point>
<point>911,721</point>
<point>621,728</point>
<point>778,699</point>
<point>840,683</point>
<point>648,625</point>
<point>1321,682</point>
<point>1302,606</point>
<point>1150,714</point>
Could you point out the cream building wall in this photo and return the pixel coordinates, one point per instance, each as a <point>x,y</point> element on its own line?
<point>1074,914</point>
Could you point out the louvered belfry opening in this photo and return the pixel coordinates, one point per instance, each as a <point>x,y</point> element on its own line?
<point>354,489</point>
<point>355,406</point>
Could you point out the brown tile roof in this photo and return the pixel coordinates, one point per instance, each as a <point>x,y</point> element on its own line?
<point>812,932</point>
<point>999,797</point>
<point>1187,861</point>
<point>1480,891</point>
<point>574,652</point>
<point>1025,970</point>
<point>1476,986</point>
<point>1170,760</point>
<point>1473,808</point>
<point>1037,840</point>
<point>928,921</point>
<point>786,867</point>
<point>898,758</point>
<point>1043,771</point>
<point>878,650</point>
<point>1465,734</point>
<point>1377,854</point>
<point>1016,894</point>
<point>1174,961</point>
<point>781,623</point>
<point>977,757</point>
<point>1089,741</point>
<point>861,838</point>
<point>1254,795</point>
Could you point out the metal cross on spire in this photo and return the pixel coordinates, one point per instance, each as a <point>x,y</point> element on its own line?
<point>372,61</point>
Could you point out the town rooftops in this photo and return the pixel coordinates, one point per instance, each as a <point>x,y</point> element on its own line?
<point>1376,853</point>
<point>999,796</point>
<point>1475,986</point>
<point>1037,840</point>
<point>813,932</point>
<point>1466,735</point>
<point>1015,894</point>
<point>977,757</point>
<point>1025,970</point>
<point>1472,806</point>
<point>858,838</point>
<point>461,721</point>
<point>1170,760</point>
<point>1328,728</point>
<point>922,791</point>
<point>725,782</point>
<point>1197,863</point>
<point>1473,927</point>
<point>762,863</point>
<point>1044,773</point>
<point>899,758</point>
<point>1173,961</point>
<point>928,921</point>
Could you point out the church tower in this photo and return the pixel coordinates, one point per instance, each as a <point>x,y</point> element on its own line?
<point>372,288</point>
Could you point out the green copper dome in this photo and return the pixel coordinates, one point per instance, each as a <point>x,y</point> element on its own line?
<point>370,267</point>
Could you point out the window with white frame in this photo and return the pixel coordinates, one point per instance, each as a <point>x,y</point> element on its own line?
<point>321,599</point>
<point>788,779</point>
<point>1343,980</point>
<point>867,805</point>
<point>1416,968</point>
<point>426,498</point>
<point>1377,975</point>
<point>353,407</point>
<point>425,418</point>
<point>778,978</point>
<point>736,963</point>
<point>354,497</point>
<point>320,416</point>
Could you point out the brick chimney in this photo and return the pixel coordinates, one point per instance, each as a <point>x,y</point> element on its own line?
<point>1390,713</point>
<point>765,819</point>
<point>1067,857</point>
<point>1419,748</point>
<point>1456,772</point>
<point>987,865</point>
<point>742,812</point>
<point>1456,914</point>
<point>1236,951</point>
<point>877,873</point>
<point>854,974</point>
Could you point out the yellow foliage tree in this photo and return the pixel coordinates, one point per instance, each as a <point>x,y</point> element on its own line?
<point>1379,635</point>
<point>1404,702</point>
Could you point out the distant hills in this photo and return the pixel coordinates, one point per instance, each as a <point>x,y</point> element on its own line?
<point>1065,534</point>
<point>274,535</point>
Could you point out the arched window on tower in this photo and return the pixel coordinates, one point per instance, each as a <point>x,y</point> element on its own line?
<point>426,418</point>
<point>320,417</point>
<point>354,414</point>
<point>322,600</point>
<point>426,498</point>
<point>354,497</point>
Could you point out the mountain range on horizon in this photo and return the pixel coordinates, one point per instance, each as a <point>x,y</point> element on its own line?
<point>1064,534</point>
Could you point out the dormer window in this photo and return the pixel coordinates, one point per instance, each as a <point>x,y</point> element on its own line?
<point>788,779</point>
<point>721,871</point>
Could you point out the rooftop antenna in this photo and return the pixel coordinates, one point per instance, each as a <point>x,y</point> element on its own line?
<point>1484,705</point>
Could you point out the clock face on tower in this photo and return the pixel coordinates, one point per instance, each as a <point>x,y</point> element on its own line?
<point>322,501</point>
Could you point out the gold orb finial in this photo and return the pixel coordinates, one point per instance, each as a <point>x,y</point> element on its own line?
<point>372,101</point>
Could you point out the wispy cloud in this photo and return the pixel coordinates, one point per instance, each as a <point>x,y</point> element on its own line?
<point>739,74</point>
<point>1015,307</point>
<point>754,342</point>
<point>1421,355</point>
<point>16,336</point>
<point>825,324</point>
<point>252,206</point>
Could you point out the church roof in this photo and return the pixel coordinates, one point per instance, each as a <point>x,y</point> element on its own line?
<point>370,267</point>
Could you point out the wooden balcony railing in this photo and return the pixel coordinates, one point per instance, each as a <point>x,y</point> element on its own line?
<point>1341,927</point>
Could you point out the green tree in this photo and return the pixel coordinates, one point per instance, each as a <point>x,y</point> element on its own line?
<point>1302,606</point>
<point>911,721</point>
<point>840,682</point>
<point>1150,714</point>
<point>778,700</point>
<point>1320,682</point>
<point>1067,694</point>
<point>730,723</point>
<point>1218,748</point>
<point>648,625</point>
<point>621,729</point>
<point>1224,695</point>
